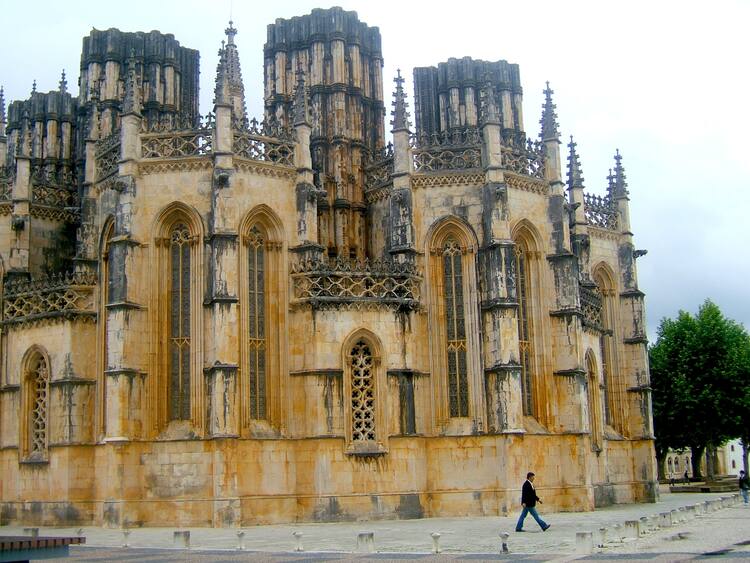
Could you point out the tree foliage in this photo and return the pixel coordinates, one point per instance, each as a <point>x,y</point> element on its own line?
<point>700,375</point>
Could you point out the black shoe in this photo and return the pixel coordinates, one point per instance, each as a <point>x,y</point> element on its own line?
<point>520,530</point>
<point>546,528</point>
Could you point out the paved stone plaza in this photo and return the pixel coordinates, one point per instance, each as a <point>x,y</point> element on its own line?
<point>717,534</point>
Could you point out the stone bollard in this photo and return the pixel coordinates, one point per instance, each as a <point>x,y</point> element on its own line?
<point>126,538</point>
<point>690,511</point>
<point>617,533</point>
<point>435,542</point>
<point>675,516</point>
<point>181,539</point>
<point>298,539</point>
<point>700,509</point>
<point>504,542</point>
<point>366,542</point>
<point>584,543</point>
<point>631,530</point>
<point>643,527</point>
<point>653,523</point>
<point>602,537</point>
<point>31,532</point>
<point>240,540</point>
<point>665,519</point>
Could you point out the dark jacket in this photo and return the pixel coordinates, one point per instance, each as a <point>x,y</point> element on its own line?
<point>744,483</point>
<point>528,495</point>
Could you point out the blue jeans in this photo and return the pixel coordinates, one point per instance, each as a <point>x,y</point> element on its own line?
<point>532,511</point>
<point>745,494</point>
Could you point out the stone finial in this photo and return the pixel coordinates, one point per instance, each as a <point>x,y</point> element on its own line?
<point>619,188</point>
<point>548,121</point>
<point>400,105</point>
<point>131,103</point>
<point>235,90</point>
<point>301,104</point>
<point>2,105</point>
<point>33,87</point>
<point>231,31</point>
<point>610,184</point>
<point>489,111</point>
<point>63,83</point>
<point>575,174</point>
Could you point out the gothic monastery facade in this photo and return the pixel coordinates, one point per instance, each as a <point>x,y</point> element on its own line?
<point>215,321</point>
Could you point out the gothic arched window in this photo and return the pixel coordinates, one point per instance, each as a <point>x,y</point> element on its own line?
<point>179,322</point>
<point>594,403</point>
<point>609,393</point>
<point>256,324</point>
<point>362,374</point>
<point>37,407</point>
<point>458,386</point>
<point>525,340</point>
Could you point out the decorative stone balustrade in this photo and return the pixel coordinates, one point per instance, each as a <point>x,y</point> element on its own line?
<point>455,150</point>
<point>162,142</point>
<point>107,156</point>
<point>264,141</point>
<point>7,177</point>
<point>379,167</point>
<point>54,193</point>
<point>359,283</point>
<point>58,296</point>
<point>524,158</point>
<point>600,211</point>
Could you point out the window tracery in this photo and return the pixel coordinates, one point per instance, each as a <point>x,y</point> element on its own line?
<point>362,392</point>
<point>595,414</point>
<point>37,381</point>
<point>256,311</point>
<point>179,322</point>
<point>525,348</point>
<point>458,386</point>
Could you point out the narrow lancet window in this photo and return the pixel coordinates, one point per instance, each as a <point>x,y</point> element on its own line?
<point>256,324</point>
<point>363,392</point>
<point>38,397</point>
<point>524,332</point>
<point>458,385</point>
<point>179,323</point>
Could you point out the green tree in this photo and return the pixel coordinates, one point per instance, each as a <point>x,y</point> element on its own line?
<point>700,375</point>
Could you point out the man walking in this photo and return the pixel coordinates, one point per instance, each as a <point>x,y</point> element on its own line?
<point>528,501</point>
<point>744,486</point>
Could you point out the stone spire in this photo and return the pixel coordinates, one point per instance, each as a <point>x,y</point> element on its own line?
<point>63,83</point>
<point>233,72</point>
<point>131,103</point>
<point>301,103</point>
<point>489,111</point>
<point>549,117</point>
<point>619,189</point>
<point>575,174</point>
<point>221,90</point>
<point>400,105</point>
<point>33,87</point>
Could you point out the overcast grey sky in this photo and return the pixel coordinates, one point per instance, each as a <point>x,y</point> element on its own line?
<point>665,82</point>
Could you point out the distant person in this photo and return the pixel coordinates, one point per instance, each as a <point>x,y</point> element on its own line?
<point>687,477</point>
<point>528,501</point>
<point>744,486</point>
